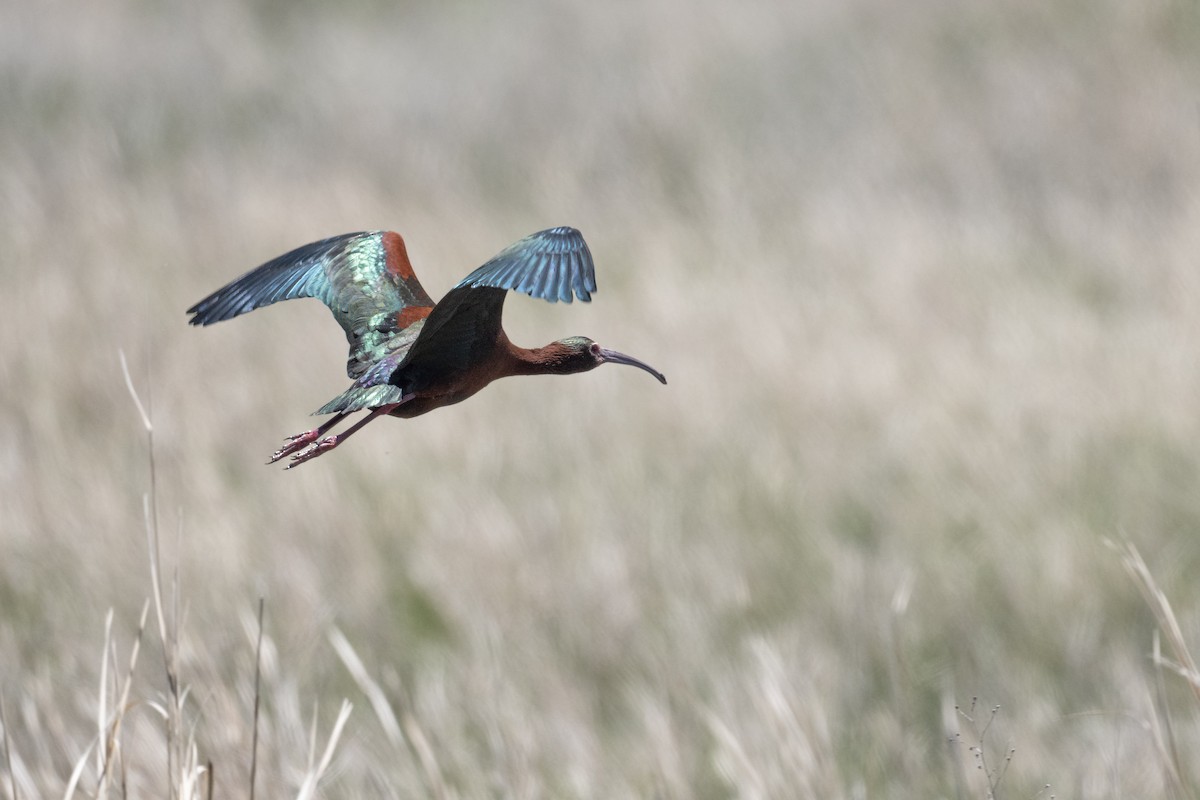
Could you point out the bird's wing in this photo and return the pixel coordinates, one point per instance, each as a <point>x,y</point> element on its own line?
<point>551,265</point>
<point>364,278</point>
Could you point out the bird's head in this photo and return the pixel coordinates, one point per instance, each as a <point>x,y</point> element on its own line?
<point>580,354</point>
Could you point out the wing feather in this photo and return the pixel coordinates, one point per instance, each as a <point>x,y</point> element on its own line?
<point>364,278</point>
<point>554,264</point>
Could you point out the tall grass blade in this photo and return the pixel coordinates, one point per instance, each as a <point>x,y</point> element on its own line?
<point>257,696</point>
<point>8,759</point>
<point>309,787</point>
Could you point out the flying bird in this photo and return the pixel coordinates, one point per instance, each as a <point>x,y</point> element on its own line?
<point>409,355</point>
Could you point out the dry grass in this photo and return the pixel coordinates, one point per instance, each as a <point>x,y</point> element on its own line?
<point>922,277</point>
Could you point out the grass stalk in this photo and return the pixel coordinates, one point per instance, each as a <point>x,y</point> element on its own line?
<point>309,787</point>
<point>406,729</point>
<point>257,698</point>
<point>1180,661</point>
<point>8,758</point>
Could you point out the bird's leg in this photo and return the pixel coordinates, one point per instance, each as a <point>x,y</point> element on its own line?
<point>302,440</point>
<point>330,442</point>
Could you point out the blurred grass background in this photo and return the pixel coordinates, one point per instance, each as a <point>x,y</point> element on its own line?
<point>922,276</point>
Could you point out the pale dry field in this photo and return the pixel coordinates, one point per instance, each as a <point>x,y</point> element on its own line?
<point>923,277</point>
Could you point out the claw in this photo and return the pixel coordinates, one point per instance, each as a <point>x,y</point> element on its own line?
<point>294,443</point>
<point>304,446</point>
<point>313,450</point>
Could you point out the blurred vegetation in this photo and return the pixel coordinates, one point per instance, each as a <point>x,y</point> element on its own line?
<point>922,277</point>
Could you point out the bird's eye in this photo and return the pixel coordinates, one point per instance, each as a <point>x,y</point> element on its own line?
<point>594,349</point>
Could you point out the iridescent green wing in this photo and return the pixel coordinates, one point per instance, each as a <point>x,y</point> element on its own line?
<point>364,278</point>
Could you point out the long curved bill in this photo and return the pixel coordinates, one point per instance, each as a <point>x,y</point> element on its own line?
<point>613,357</point>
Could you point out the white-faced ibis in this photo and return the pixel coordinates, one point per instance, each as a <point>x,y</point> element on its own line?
<point>408,355</point>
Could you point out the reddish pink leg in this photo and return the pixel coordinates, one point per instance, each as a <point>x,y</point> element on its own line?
<point>330,442</point>
<point>302,440</point>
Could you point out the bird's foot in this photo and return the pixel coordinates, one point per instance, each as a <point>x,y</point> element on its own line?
<point>294,443</point>
<point>313,450</point>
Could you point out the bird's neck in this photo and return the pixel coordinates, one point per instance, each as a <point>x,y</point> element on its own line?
<point>553,359</point>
